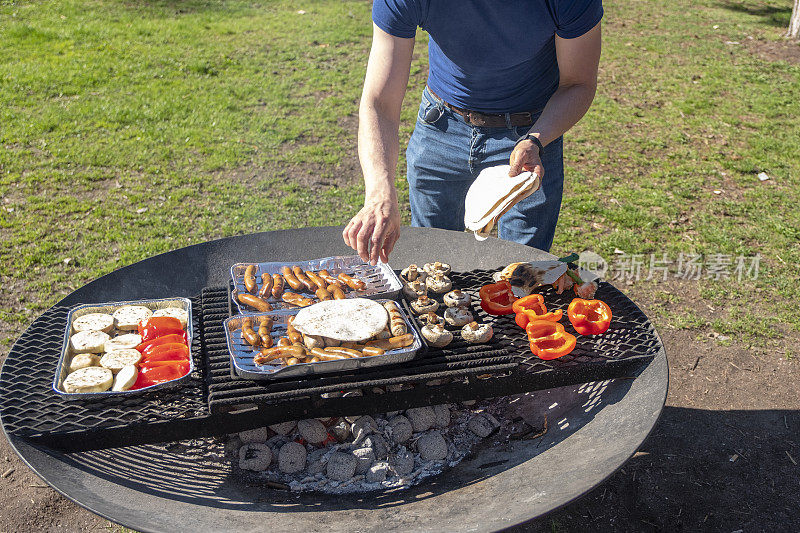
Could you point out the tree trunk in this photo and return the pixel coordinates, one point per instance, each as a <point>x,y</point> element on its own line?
<point>794,22</point>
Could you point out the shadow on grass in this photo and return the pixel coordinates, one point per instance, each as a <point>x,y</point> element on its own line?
<point>184,7</point>
<point>700,470</point>
<point>770,15</point>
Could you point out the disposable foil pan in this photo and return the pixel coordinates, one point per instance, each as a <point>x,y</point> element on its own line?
<point>242,354</point>
<point>66,352</point>
<point>380,279</point>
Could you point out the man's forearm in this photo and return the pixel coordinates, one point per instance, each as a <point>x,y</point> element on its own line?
<point>564,109</point>
<point>378,152</point>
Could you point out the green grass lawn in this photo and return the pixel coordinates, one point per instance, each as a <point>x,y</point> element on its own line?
<point>131,128</point>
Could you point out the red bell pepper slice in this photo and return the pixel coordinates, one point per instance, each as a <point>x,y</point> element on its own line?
<point>158,326</point>
<point>497,298</point>
<point>532,307</point>
<point>182,365</point>
<point>173,347</point>
<point>154,374</point>
<point>589,317</point>
<point>166,339</point>
<point>172,354</point>
<point>548,340</point>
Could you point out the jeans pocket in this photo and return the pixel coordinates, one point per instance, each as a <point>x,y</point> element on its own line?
<point>521,130</point>
<point>429,113</point>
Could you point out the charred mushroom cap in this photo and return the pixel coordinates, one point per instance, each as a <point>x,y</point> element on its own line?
<point>424,304</point>
<point>431,318</point>
<point>436,335</point>
<point>477,333</point>
<point>415,289</point>
<point>438,282</point>
<point>437,266</point>
<point>457,316</point>
<point>412,273</point>
<point>456,298</point>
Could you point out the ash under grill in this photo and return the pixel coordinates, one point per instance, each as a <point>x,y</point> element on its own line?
<point>213,402</point>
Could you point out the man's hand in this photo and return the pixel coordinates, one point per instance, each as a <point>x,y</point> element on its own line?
<point>525,157</point>
<point>374,230</point>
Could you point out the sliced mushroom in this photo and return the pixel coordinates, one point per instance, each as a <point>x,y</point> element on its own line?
<point>424,305</point>
<point>436,335</point>
<point>457,316</point>
<point>436,266</point>
<point>413,273</point>
<point>477,333</point>
<point>439,283</point>
<point>456,298</point>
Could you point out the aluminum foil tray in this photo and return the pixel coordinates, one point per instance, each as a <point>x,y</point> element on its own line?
<point>66,353</point>
<point>242,354</point>
<point>381,280</point>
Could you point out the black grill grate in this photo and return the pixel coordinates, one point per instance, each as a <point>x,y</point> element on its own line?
<point>30,407</point>
<point>632,339</point>
<point>213,402</point>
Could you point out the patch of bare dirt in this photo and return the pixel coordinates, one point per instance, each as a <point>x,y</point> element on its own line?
<point>723,455</point>
<point>785,50</point>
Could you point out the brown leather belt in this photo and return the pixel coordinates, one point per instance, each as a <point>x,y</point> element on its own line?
<point>488,120</point>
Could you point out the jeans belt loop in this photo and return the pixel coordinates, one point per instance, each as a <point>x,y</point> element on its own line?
<point>508,120</point>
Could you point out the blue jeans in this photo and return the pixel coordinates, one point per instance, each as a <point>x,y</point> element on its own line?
<point>444,157</point>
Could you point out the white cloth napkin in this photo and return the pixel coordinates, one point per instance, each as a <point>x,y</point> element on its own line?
<point>492,194</point>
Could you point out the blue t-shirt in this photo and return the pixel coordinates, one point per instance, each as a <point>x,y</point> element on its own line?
<point>494,56</point>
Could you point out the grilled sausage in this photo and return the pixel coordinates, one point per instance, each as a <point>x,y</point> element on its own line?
<point>347,352</point>
<point>296,337</point>
<point>291,279</point>
<point>336,291</point>
<point>250,337</point>
<point>323,294</point>
<point>371,351</point>
<point>277,285</point>
<point>324,274</point>
<point>250,278</point>
<point>331,280</point>
<point>317,353</point>
<point>323,355</point>
<point>393,343</point>
<point>264,330</point>
<point>352,282</point>
<point>396,323</point>
<point>307,283</point>
<point>254,301</point>
<point>366,351</point>
<point>284,341</point>
<point>266,286</point>
<point>279,352</point>
<point>318,281</point>
<point>296,299</point>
